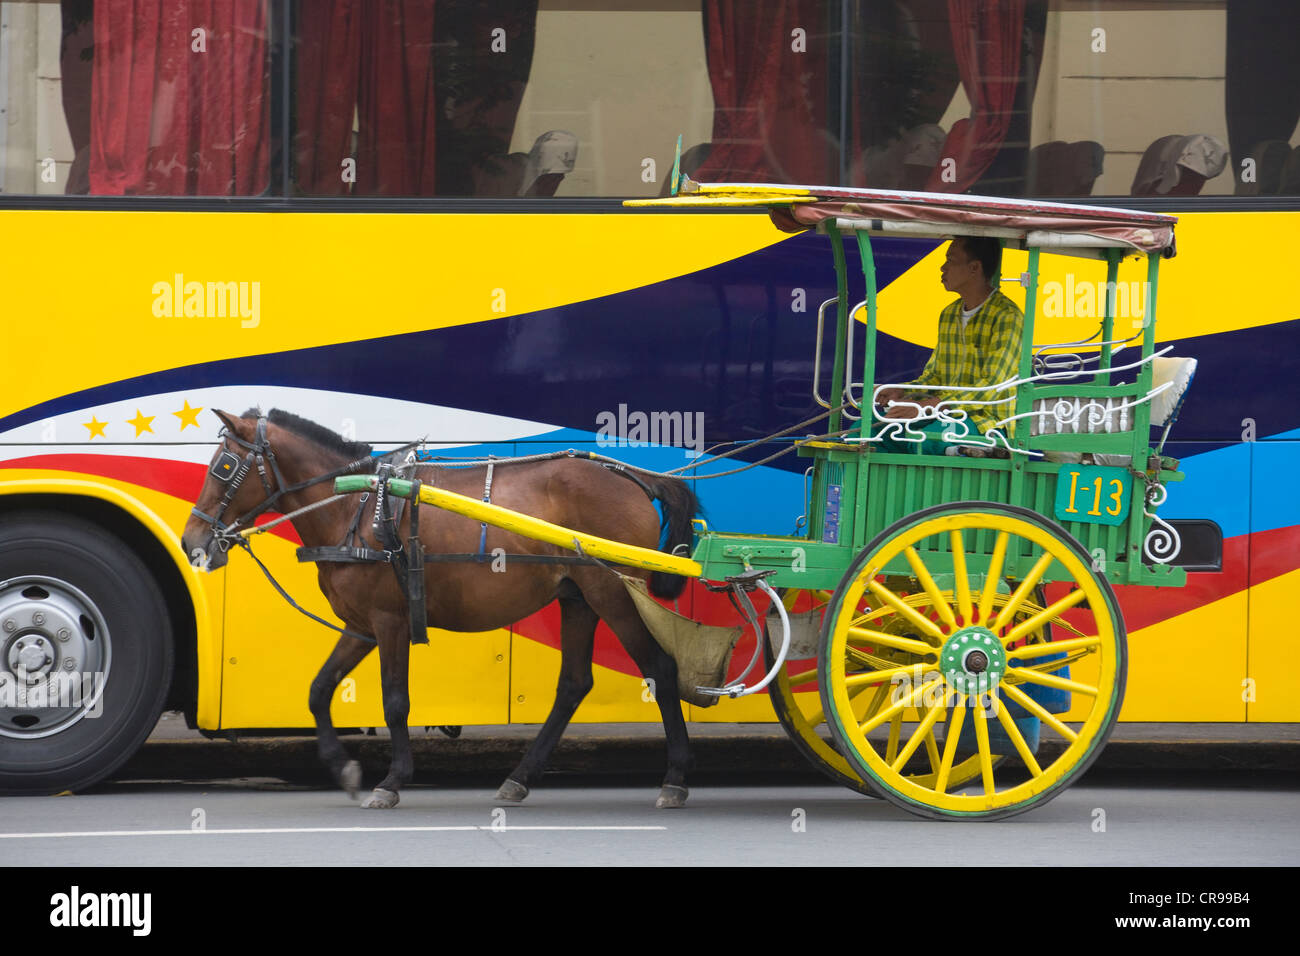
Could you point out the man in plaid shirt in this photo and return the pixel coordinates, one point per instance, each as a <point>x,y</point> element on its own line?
<point>978,346</point>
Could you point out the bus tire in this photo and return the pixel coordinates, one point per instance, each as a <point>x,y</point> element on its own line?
<point>80,607</point>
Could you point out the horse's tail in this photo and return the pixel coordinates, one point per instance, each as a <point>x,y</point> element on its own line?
<point>679,506</point>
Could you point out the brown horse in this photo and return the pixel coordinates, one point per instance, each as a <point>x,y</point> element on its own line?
<point>289,454</point>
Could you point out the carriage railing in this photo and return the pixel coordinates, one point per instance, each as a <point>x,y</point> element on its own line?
<point>1068,411</point>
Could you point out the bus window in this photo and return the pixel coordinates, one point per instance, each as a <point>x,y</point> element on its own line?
<point>540,98</point>
<point>1064,98</point>
<point>136,98</point>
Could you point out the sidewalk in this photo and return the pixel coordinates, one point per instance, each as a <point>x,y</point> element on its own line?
<point>734,749</point>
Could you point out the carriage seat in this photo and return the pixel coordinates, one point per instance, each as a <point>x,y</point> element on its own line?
<point>1094,416</point>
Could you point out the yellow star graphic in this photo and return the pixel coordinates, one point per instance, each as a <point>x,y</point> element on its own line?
<point>141,422</point>
<point>188,416</point>
<point>96,428</point>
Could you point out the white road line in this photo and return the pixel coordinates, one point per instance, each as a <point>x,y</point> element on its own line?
<point>256,830</point>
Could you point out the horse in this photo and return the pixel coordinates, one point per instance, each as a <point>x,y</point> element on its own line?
<point>295,457</point>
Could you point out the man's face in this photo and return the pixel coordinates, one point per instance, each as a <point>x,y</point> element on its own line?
<point>958,269</point>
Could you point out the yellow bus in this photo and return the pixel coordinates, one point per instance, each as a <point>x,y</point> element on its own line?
<point>408,223</point>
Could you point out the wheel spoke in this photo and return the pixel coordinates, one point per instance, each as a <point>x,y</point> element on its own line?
<point>960,582</point>
<point>909,644</point>
<point>924,732</point>
<point>803,677</point>
<point>932,746</point>
<point>909,613</point>
<point>1054,647</point>
<point>992,577</point>
<point>895,729</point>
<point>898,706</point>
<point>1044,617</point>
<point>1037,709</point>
<point>1018,740</point>
<point>982,741</point>
<point>1009,609</point>
<point>950,745</point>
<point>1051,680</point>
<point>876,677</point>
<point>927,582</point>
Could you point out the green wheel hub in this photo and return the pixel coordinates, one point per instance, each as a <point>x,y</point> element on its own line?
<point>973,660</point>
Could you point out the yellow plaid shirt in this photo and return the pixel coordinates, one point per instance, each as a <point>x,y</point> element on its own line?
<point>986,353</point>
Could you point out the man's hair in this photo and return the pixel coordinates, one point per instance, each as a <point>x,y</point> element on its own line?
<point>984,250</point>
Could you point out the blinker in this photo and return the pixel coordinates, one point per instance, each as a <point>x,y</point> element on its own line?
<point>225,466</point>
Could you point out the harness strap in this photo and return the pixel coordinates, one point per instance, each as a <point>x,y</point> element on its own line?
<point>344,554</point>
<point>415,573</point>
<point>487,499</point>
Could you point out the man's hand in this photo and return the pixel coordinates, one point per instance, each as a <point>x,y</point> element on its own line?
<point>909,410</point>
<point>892,394</point>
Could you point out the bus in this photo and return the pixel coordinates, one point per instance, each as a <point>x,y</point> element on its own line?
<point>405,220</point>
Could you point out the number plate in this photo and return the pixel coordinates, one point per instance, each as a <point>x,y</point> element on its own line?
<point>1093,494</point>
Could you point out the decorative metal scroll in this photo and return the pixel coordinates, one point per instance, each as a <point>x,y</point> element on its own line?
<point>1162,543</point>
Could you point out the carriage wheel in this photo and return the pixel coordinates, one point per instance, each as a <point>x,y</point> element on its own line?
<point>798,708</point>
<point>977,650</point>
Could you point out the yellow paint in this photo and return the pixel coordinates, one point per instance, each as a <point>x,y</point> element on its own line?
<point>272,653</point>
<point>188,416</point>
<point>614,696</point>
<point>323,278</point>
<point>1273,650</point>
<point>159,514</point>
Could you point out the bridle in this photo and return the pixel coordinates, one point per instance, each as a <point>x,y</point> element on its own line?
<point>231,471</point>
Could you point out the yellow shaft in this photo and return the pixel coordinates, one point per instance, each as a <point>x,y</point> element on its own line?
<point>539,530</point>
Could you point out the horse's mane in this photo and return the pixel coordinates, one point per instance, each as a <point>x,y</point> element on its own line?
<point>313,431</point>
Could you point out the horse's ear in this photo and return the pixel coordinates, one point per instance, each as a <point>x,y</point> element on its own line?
<point>233,422</point>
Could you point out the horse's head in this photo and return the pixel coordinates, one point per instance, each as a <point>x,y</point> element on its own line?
<point>243,482</point>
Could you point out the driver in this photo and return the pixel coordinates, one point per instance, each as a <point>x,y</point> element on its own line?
<point>978,346</point>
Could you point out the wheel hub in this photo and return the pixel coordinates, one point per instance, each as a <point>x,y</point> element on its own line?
<point>54,656</point>
<point>31,656</point>
<point>973,660</point>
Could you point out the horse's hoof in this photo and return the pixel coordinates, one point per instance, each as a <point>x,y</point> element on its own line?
<point>350,778</point>
<point>380,799</point>
<point>512,791</point>
<point>671,797</point>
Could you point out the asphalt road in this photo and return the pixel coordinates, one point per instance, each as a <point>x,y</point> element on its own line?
<point>1157,820</point>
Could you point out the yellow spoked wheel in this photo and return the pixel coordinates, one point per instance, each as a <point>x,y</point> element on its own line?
<point>955,658</point>
<point>798,707</point>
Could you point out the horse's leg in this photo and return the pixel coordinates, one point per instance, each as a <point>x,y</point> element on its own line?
<point>577,638</point>
<point>347,654</point>
<point>394,660</point>
<point>608,598</point>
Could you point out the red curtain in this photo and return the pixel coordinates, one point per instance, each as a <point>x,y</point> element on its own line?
<point>327,52</point>
<point>986,39</point>
<point>396,109</point>
<point>374,57</point>
<point>175,113</point>
<point>770,109</point>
